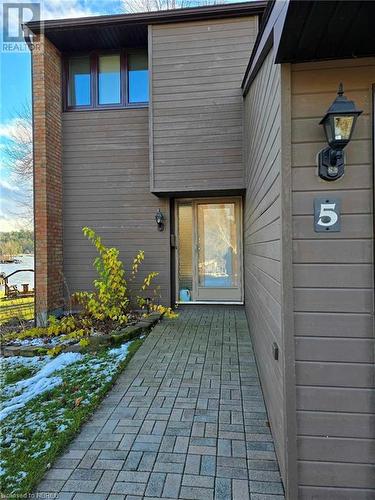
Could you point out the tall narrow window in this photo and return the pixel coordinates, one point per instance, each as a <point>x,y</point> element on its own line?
<point>185,250</point>
<point>79,81</point>
<point>137,76</point>
<point>109,86</point>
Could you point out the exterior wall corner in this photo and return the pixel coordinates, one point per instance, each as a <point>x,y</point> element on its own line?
<point>287,296</point>
<point>47,105</point>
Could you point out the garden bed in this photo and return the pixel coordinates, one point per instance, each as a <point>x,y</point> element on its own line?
<point>44,403</point>
<point>22,345</point>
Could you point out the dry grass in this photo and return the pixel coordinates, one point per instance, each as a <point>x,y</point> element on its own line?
<point>21,309</point>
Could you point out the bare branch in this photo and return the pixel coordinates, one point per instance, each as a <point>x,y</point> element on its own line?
<point>132,6</point>
<point>19,159</point>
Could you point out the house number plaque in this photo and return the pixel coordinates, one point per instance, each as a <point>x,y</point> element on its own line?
<point>327,216</point>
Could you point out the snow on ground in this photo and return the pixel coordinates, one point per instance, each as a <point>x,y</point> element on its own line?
<point>52,366</point>
<point>40,452</point>
<point>18,361</point>
<point>25,390</point>
<point>22,392</point>
<point>119,351</point>
<point>42,342</point>
<point>28,435</point>
<point>42,385</point>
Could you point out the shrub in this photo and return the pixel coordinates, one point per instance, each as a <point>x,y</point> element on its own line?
<point>110,305</point>
<point>112,300</point>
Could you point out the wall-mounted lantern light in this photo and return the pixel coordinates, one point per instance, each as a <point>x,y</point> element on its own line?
<point>338,123</point>
<point>159,217</point>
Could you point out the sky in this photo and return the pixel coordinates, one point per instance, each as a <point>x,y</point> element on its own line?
<point>15,90</point>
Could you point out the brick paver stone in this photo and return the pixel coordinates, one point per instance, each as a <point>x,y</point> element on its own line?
<point>186,419</point>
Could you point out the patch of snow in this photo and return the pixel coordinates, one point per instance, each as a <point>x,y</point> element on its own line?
<point>119,351</point>
<point>54,365</point>
<point>46,447</point>
<point>41,382</point>
<point>7,440</point>
<point>15,361</point>
<point>39,387</point>
<point>20,475</point>
<point>41,342</point>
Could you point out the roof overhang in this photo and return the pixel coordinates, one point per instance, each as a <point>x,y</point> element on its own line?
<point>108,32</point>
<point>334,29</point>
<point>313,30</point>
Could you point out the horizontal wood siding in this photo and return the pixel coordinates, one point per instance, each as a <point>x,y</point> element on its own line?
<point>196,116</point>
<point>333,292</point>
<point>262,238</point>
<point>106,187</point>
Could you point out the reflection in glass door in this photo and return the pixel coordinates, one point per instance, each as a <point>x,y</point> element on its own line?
<point>209,250</point>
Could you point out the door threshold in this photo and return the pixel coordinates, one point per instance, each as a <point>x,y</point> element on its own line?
<point>208,302</point>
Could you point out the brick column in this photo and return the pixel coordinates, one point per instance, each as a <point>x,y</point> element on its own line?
<point>47,108</point>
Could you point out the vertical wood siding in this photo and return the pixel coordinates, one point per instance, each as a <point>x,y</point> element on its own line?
<point>333,292</point>
<point>106,187</point>
<point>197,69</point>
<point>262,238</point>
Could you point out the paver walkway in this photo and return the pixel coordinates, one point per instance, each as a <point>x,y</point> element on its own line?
<point>186,419</point>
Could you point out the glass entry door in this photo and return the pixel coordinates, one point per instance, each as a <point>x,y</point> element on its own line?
<point>209,250</point>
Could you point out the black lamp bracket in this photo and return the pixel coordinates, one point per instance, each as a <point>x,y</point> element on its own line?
<point>331,164</point>
<point>159,217</point>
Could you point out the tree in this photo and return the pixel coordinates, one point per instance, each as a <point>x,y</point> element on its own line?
<point>22,240</point>
<point>19,159</point>
<point>9,250</point>
<point>133,6</point>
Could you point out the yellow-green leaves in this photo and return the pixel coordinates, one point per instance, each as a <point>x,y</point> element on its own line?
<point>110,301</point>
<point>138,259</point>
<point>54,351</point>
<point>166,311</point>
<point>147,281</point>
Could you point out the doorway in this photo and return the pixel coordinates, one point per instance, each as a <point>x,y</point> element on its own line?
<point>209,250</point>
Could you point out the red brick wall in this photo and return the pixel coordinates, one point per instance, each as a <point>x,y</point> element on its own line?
<point>47,107</point>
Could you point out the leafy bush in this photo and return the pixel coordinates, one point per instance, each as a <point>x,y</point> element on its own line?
<point>113,300</point>
<point>111,304</point>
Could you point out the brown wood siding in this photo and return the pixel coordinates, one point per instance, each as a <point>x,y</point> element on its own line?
<point>196,114</point>
<point>106,187</point>
<point>333,292</point>
<point>262,239</point>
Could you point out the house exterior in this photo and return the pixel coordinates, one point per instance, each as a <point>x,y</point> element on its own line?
<point>211,116</point>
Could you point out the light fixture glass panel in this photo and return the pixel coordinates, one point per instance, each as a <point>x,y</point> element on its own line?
<point>328,129</point>
<point>343,127</point>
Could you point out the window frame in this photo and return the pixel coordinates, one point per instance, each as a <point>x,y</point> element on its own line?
<point>94,82</point>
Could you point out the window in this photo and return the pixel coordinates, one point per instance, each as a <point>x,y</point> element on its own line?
<point>138,77</point>
<point>109,79</point>
<point>105,80</point>
<point>79,81</point>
